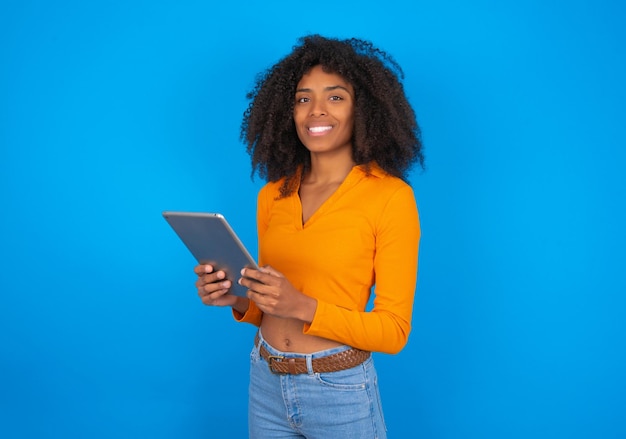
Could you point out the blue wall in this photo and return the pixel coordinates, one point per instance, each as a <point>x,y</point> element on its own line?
<point>111,112</point>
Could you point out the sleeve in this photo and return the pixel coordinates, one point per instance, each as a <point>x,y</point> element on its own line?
<point>254,315</point>
<point>386,327</point>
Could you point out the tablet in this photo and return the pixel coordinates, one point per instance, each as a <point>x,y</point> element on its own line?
<point>211,240</point>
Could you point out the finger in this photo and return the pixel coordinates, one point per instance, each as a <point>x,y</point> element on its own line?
<point>213,277</point>
<point>270,270</point>
<point>254,279</point>
<point>203,269</point>
<point>264,298</point>
<point>249,273</point>
<point>258,275</point>
<point>218,285</point>
<point>211,299</point>
<point>210,288</point>
<point>257,287</point>
<point>209,279</point>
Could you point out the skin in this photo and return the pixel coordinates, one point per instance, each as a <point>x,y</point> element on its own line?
<point>324,120</point>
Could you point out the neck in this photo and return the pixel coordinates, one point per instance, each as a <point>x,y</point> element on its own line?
<point>327,169</point>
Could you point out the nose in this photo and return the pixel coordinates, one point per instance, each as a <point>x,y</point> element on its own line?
<point>318,108</point>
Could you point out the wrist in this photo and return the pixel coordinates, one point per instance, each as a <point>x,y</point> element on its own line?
<point>308,309</point>
<point>241,305</point>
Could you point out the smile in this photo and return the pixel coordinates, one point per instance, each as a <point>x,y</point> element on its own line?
<point>319,130</point>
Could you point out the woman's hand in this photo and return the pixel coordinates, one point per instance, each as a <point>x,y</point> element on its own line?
<point>273,294</point>
<point>213,289</point>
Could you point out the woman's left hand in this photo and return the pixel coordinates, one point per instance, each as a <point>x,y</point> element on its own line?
<point>273,294</point>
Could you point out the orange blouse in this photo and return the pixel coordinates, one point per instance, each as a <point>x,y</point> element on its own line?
<point>365,235</point>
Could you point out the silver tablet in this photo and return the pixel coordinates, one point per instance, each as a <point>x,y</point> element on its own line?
<point>211,240</point>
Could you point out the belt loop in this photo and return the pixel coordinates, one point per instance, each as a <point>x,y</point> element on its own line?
<point>291,365</point>
<point>309,364</point>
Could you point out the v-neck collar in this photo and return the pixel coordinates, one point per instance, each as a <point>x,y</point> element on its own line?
<point>355,175</point>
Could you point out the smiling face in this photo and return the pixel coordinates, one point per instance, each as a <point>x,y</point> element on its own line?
<point>324,112</point>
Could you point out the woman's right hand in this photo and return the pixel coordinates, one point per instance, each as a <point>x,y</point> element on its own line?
<point>213,287</point>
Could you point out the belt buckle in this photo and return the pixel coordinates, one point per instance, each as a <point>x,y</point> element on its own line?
<point>271,359</point>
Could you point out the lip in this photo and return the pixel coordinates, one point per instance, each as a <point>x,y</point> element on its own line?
<point>319,130</point>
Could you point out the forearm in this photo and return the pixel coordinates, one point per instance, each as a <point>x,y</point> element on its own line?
<point>378,331</point>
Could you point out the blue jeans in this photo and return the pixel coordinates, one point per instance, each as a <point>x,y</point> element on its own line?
<point>344,404</point>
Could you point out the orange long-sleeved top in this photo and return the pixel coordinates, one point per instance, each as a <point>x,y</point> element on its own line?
<point>365,234</point>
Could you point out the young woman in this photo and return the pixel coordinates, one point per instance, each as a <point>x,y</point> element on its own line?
<point>331,130</point>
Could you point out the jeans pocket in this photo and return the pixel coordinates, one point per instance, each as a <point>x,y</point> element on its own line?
<point>349,379</point>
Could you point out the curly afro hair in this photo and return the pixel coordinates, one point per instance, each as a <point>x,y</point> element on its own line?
<point>385,127</point>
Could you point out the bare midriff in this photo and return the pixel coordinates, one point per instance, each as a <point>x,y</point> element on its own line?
<point>286,335</point>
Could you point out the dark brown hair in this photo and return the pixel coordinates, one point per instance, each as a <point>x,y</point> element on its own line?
<point>385,127</point>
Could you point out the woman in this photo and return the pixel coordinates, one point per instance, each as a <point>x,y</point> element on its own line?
<point>330,128</point>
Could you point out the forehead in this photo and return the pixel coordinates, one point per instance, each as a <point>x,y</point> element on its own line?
<point>317,75</point>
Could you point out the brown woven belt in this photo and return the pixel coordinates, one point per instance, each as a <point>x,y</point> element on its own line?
<point>331,363</point>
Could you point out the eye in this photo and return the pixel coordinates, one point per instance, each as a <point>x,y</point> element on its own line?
<point>302,100</point>
<point>336,98</point>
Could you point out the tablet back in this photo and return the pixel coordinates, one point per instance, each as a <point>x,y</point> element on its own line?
<point>211,240</point>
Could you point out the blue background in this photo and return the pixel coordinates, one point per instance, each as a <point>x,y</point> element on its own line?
<point>111,112</point>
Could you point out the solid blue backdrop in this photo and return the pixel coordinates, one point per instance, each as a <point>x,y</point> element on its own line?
<point>111,112</point>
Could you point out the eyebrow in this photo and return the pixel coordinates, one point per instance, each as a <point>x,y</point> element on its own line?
<point>330,88</point>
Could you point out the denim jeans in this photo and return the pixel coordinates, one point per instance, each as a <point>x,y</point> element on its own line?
<point>343,404</point>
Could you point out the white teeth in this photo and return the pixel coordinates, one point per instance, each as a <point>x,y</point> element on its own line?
<point>319,129</point>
